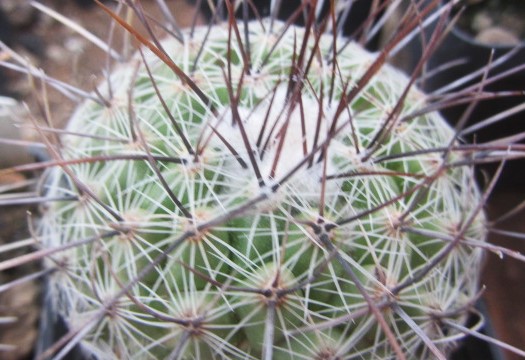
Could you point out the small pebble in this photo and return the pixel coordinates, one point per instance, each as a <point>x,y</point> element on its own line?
<point>481,21</point>
<point>497,36</point>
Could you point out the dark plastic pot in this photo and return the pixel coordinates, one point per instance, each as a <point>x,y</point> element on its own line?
<point>472,348</point>
<point>459,45</point>
<point>52,328</point>
<point>359,12</point>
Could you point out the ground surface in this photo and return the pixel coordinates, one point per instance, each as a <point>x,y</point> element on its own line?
<point>69,57</point>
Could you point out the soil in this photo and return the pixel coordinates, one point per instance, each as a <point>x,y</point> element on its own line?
<point>47,42</point>
<point>504,277</point>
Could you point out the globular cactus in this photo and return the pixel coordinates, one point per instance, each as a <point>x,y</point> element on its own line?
<point>255,189</point>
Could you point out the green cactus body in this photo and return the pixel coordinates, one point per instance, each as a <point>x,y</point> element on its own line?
<point>203,238</point>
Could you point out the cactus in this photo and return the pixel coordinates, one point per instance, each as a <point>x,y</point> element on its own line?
<point>255,189</point>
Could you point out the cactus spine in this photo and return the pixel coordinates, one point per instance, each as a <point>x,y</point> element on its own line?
<point>266,204</point>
